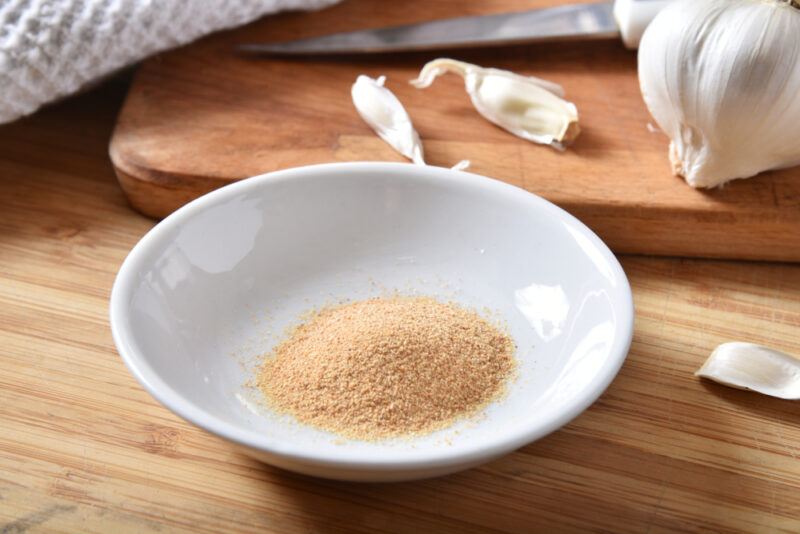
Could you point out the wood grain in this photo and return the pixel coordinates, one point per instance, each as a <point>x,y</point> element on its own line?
<point>83,448</point>
<point>202,116</point>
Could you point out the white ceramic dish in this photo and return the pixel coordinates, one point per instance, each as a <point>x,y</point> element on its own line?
<point>195,301</point>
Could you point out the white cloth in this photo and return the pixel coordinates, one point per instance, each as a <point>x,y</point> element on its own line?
<point>51,48</point>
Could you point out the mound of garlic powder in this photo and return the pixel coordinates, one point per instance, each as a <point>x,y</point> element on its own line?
<point>388,367</point>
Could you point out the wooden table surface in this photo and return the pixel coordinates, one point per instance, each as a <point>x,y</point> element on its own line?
<point>83,448</point>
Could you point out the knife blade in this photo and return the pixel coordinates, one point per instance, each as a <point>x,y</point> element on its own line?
<point>568,22</point>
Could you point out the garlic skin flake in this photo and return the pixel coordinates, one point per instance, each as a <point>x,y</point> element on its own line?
<point>379,108</point>
<point>754,367</point>
<point>721,79</point>
<point>462,165</point>
<point>528,107</point>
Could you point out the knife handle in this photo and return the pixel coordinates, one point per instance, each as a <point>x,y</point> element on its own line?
<point>633,16</point>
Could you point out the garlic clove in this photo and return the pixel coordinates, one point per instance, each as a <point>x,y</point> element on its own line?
<point>528,107</point>
<point>754,367</point>
<point>720,78</point>
<point>384,113</point>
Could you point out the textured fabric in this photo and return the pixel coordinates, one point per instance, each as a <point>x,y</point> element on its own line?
<point>51,48</point>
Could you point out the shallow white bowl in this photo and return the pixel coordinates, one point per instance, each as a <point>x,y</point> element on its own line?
<point>207,292</point>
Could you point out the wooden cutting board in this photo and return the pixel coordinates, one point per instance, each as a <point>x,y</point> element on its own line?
<point>202,116</point>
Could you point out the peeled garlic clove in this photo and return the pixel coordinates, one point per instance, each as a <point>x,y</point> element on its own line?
<point>386,115</point>
<point>749,366</point>
<point>720,77</point>
<point>528,107</point>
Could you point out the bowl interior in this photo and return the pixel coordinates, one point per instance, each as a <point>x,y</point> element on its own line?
<point>205,295</point>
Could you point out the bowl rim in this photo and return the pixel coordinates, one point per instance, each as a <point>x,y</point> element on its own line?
<point>407,459</point>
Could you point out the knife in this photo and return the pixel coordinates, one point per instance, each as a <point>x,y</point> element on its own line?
<point>621,18</point>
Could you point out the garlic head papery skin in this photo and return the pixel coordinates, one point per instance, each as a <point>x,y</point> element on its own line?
<point>721,78</point>
<point>384,113</point>
<point>528,107</point>
<point>754,367</point>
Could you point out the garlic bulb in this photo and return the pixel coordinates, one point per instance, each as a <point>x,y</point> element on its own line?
<point>528,107</point>
<point>721,79</point>
<point>749,366</point>
<point>386,115</point>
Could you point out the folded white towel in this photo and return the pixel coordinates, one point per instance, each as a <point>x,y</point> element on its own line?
<point>51,48</point>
